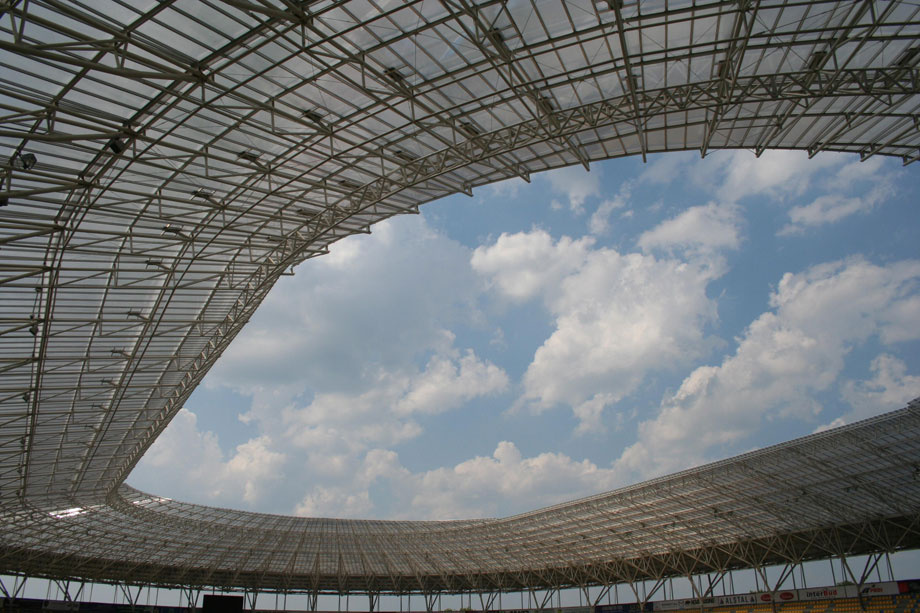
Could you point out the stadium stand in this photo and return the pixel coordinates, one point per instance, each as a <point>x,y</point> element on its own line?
<point>166,162</point>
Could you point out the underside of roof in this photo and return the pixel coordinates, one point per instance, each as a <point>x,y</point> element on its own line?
<point>850,491</point>
<point>164,162</point>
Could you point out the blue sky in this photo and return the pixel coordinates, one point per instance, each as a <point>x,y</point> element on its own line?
<point>540,342</point>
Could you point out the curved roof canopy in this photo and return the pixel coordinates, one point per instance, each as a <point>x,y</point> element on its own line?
<point>164,162</point>
<point>845,492</point>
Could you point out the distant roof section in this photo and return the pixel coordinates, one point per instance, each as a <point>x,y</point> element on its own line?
<point>848,491</point>
<point>165,162</point>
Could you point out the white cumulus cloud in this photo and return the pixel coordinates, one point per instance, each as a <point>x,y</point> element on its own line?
<point>699,229</point>
<point>482,486</point>
<point>600,220</point>
<point>830,208</point>
<point>576,184</point>
<point>776,173</point>
<point>199,469</point>
<point>784,357</point>
<point>891,387</point>
<point>617,317</point>
<point>449,381</point>
<point>524,264</point>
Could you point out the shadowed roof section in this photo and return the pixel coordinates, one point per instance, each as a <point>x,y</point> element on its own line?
<point>164,163</point>
<point>849,491</point>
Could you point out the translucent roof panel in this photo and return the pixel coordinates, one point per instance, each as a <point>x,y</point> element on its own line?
<point>163,163</point>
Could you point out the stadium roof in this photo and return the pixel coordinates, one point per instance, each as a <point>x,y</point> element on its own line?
<point>165,162</point>
<point>849,491</point>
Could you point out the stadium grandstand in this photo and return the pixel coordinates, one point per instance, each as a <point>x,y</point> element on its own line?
<point>165,162</point>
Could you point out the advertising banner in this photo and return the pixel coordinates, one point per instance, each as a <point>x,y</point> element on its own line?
<point>887,588</point>
<point>781,596</point>
<point>631,607</point>
<point>824,593</point>
<point>684,603</point>
<point>738,599</point>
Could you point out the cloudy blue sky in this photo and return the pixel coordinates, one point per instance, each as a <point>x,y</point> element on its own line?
<point>545,341</point>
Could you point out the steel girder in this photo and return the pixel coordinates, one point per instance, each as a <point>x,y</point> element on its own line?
<point>164,166</point>
<point>845,492</point>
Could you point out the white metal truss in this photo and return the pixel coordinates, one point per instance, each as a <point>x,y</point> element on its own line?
<point>164,163</point>
<point>851,491</point>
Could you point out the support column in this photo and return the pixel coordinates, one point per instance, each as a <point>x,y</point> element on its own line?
<point>132,598</point>
<point>486,604</point>
<point>542,602</point>
<point>605,592</point>
<point>190,596</point>
<point>63,586</point>
<point>374,601</point>
<point>12,593</point>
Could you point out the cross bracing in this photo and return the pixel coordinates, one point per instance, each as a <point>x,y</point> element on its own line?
<point>164,164</point>
<point>846,492</point>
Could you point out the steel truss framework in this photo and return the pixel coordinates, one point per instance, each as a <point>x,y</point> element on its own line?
<point>164,163</point>
<point>841,493</point>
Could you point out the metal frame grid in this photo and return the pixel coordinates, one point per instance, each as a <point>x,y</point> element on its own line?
<point>165,162</point>
<point>851,491</point>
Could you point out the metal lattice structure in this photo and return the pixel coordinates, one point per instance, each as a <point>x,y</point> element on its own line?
<point>851,491</point>
<point>165,162</point>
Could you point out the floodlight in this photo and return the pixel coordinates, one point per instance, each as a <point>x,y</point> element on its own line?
<point>314,116</point>
<point>498,41</point>
<point>817,60</point>
<point>907,57</point>
<point>545,105</point>
<point>469,129</point>
<point>393,74</point>
<point>117,146</point>
<point>203,194</point>
<point>405,156</point>
<point>23,161</point>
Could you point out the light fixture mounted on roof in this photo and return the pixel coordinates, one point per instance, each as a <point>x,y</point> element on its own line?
<point>634,79</point>
<point>249,156</point>
<point>314,116</point>
<point>495,37</point>
<point>117,146</point>
<point>393,74</point>
<point>611,5</point>
<point>907,57</point>
<point>153,262</point>
<point>202,193</point>
<point>468,128</point>
<point>817,60</point>
<point>405,156</point>
<point>23,161</point>
<point>545,105</point>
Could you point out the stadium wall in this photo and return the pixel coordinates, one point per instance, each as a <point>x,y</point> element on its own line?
<point>882,597</point>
